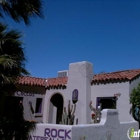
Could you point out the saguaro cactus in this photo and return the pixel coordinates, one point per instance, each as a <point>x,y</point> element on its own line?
<point>97,112</point>
<point>68,116</point>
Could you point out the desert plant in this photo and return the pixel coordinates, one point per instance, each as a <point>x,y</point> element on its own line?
<point>97,116</point>
<point>68,116</point>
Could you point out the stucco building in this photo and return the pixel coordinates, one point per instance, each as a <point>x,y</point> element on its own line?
<point>45,99</point>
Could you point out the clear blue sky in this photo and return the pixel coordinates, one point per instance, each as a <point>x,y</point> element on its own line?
<point>103,32</point>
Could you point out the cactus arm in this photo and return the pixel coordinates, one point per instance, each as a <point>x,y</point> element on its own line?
<point>91,107</point>
<point>65,112</point>
<point>74,109</point>
<point>68,114</point>
<point>69,109</point>
<point>64,116</point>
<point>69,106</point>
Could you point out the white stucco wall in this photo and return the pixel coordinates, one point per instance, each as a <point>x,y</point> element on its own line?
<point>108,90</point>
<point>79,77</point>
<point>108,129</point>
<point>48,95</point>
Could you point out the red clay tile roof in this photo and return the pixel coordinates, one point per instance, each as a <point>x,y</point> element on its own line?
<point>119,75</point>
<point>31,81</point>
<point>48,83</point>
<point>56,82</point>
<point>60,82</point>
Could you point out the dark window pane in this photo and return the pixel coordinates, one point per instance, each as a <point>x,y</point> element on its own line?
<point>38,105</point>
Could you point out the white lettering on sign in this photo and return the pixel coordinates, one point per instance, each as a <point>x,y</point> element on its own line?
<point>112,113</point>
<point>24,94</point>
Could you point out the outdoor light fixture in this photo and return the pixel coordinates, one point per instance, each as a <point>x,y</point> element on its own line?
<point>75,96</point>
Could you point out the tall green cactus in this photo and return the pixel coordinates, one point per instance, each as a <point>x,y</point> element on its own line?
<point>68,116</point>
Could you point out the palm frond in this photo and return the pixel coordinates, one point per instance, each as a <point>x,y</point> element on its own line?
<point>22,9</point>
<point>7,62</point>
<point>12,55</point>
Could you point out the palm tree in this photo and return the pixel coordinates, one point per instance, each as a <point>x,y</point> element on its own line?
<point>12,61</point>
<point>12,65</point>
<point>12,56</point>
<point>21,10</point>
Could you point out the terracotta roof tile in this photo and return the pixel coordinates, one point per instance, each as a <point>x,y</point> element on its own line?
<point>55,82</point>
<point>50,82</point>
<point>31,81</point>
<point>119,75</point>
<point>62,81</point>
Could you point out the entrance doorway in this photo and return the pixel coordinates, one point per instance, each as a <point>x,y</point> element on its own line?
<point>56,109</point>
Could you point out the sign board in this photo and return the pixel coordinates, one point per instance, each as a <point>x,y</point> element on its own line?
<point>51,132</point>
<point>75,96</point>
<point>23,94</point>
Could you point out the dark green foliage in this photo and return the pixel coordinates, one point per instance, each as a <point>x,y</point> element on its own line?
<point>17,130</point>
<point>135,101</point>
<point>12,57</point>
<point>21,10</point>
<point>135,96</point>
<point>12,124</point>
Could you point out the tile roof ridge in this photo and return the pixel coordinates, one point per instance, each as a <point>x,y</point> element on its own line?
<point>117,71</point>
<point>118,75</point>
